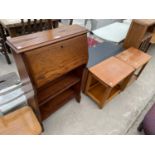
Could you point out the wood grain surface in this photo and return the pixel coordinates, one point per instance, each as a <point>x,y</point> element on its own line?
<point>134,57</point>
<point>111,71</point>
<point>20,122</point>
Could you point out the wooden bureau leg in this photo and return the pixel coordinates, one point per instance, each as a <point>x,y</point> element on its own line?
<point>84,79</point>
<point>78,98</point>
<point>77,89</point>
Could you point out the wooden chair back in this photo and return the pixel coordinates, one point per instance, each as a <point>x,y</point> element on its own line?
<point>34,25</point>
<point>3,48</point>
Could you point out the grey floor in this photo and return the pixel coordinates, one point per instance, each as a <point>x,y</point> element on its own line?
<point>121,115</point>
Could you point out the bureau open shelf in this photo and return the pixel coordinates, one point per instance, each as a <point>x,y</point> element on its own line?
<point>57,87</point>
<point>57,92</point>
<point>54,104</point>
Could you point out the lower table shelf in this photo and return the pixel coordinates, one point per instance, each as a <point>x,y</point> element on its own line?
<point>97,91</point>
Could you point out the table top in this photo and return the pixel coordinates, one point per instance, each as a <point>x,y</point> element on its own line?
<point>111,71</point>
<point>115,32</point>
<point>134,57</point>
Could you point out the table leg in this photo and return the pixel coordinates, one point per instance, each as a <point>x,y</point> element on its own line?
<point>88,82</point>
<point>84,79</point>
<point>141,70</point>
<point>105,96</point>
<point>125,82</point>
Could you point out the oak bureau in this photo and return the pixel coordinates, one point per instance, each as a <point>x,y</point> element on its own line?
<point>50,64</point>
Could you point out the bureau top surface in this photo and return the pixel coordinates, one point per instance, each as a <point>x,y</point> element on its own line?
<point>134,57</point>
<point>111,71</point>
<point>27,42</point>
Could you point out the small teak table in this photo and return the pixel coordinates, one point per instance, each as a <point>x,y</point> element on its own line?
<point>135,58</point>
<point>107,79</point>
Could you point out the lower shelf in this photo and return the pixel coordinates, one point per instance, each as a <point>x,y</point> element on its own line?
<point>97,91</point>
<point>54,104</point>
<point>54,89</point>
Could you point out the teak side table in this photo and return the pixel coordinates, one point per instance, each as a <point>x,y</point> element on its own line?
<point>107,79</point>
<point>135,58</point>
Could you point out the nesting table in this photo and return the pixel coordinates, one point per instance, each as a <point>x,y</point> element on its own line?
<point>111,76</point>
<point>135,58</point>
<point>107,79</point>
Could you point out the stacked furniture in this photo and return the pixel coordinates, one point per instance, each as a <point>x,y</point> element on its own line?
<point>140,34</point>
<point>51,63</point>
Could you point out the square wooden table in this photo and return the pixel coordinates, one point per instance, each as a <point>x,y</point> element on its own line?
<point>107,79</point>
<point>135,58</point>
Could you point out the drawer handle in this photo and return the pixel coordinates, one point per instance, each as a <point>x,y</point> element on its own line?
<point>62,46</point>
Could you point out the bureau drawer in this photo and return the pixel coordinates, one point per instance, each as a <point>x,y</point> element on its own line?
<point>49,62</point>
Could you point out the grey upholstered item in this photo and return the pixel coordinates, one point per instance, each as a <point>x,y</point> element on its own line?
<point>103,51</point>
<point>11,95</point>
<point>8,80</point>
